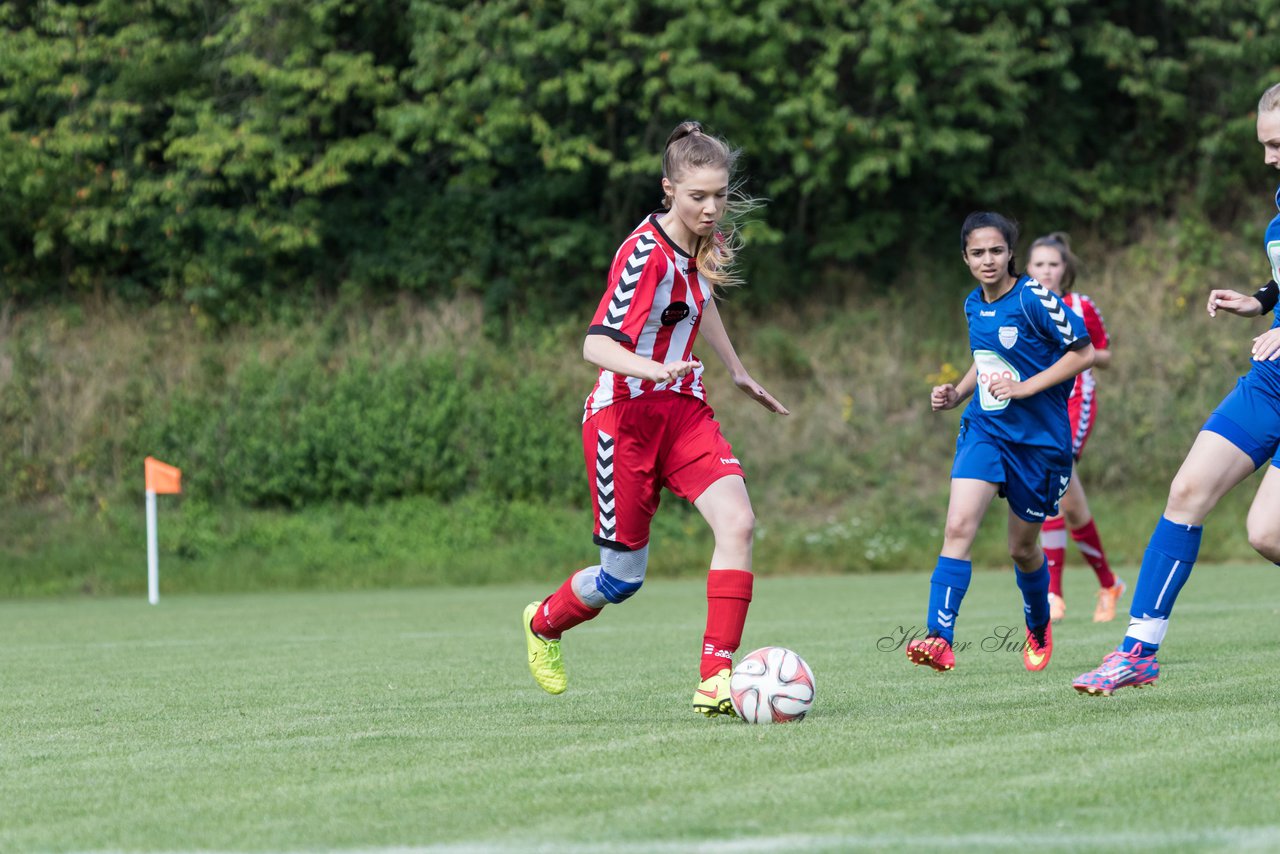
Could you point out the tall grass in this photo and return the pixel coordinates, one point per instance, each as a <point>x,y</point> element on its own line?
<point>855,479</point>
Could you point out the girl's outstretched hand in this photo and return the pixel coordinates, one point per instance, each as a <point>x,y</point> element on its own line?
<point>756,391</point>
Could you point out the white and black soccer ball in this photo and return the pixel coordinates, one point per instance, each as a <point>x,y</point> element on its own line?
<point>772,685</point>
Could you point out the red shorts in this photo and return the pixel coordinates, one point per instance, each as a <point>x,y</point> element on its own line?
<point>634,448</point>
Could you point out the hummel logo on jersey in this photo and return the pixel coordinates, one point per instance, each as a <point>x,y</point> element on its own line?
<point>729,461</point>
<point>982,313</point>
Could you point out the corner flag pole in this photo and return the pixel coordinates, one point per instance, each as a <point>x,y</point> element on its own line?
<point>164,479</point>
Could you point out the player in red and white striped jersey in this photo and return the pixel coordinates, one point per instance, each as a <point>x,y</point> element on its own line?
<point>647,424</point>
<point>653,310</point>
<point>1054,265</point>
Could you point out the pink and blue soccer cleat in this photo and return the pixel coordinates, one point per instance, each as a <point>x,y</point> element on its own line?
<point>1119,670</point>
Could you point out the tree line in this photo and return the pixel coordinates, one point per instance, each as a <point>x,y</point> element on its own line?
<point>239,155</point>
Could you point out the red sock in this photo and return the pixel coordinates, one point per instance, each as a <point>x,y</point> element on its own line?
<point>561,611</point>
<point>1090,544</point>
<point>728,597</point>
<point>1053,539</point>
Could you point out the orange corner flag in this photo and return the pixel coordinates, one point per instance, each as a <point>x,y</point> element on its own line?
<point>162,478</point>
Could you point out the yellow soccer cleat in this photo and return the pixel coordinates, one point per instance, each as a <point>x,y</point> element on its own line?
<point>544,657</point>
<point>712,696</point>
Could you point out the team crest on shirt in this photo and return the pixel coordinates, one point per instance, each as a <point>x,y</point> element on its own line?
<point>1008,336</point>
<point>674,313</point>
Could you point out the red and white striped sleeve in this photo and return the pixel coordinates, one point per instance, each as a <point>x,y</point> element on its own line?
<point>637,268</point>
<point>1094,323</point>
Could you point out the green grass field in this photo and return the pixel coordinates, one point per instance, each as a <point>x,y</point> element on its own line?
<point>406,720</point>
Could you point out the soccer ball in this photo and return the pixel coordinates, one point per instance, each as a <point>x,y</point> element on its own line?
<point>771,685</point>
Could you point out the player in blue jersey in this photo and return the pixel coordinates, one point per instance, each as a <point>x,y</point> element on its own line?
<point>1239,437</point>
<point>1015,438</point>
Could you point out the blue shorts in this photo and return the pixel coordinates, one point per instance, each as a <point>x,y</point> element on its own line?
<point>1032,478</point>
<point>1249,418</point>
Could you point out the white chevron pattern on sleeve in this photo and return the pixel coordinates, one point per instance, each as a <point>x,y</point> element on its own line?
<point>1057,311</point>
<point>627,281</point>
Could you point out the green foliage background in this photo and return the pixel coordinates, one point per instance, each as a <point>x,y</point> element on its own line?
<point>395,444</point>
<point>235,156</point>
<point>332,259</point>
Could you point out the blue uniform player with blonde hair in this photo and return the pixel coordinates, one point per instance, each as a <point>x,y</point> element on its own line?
<point>1238,438</point>
<point>1015,439</point>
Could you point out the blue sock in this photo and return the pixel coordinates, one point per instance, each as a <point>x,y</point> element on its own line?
<point>1035,594</point>
<point>1166,565</point>
<point>946,590</point>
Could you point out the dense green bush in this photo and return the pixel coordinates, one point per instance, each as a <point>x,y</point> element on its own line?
<point>236,155</point>
<point>392,443</point>
<point>296,433</point>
